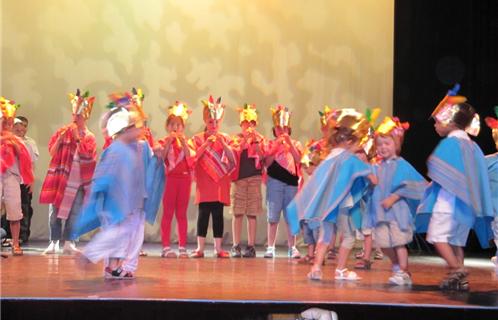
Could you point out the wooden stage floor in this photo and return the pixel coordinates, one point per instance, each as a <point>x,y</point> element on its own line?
<point>279,280</point>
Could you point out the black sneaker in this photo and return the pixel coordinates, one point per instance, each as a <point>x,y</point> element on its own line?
<point>236,252</point>
<point>455,281</point>
<point>249,252</point>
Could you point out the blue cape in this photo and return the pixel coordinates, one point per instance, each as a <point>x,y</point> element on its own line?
<point>398,177</point>
<point>331,182</point>
<point>459,166</point>
<point>113,193</point>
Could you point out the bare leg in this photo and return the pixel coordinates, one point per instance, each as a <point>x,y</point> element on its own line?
<point>15,229</point>
<point>367,247</point>
<point>402,255</point>
<point>311,250</point>
<point>343,257</point>
<point>446,252</point>
<point>251,230</point>
<point>217,244</point>
<point>201,242</point>
<point>272,233</point>
<point>459,254</point>
<point>391,254</point>
<point>320,252</point>
<point>291,239</point>
<point>237,228</point>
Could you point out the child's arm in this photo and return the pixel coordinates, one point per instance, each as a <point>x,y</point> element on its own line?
<point>388,202</point>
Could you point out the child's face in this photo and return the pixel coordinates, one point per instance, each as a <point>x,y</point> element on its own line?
<point>212,125</point>
<point>175,125</point>
<point>131,134</point>
<point>246,125</point>
<point>279,131</point>
<point>79,120</point>
<point>7,124</point>
<point>386,148</point>
<point>443,129</point>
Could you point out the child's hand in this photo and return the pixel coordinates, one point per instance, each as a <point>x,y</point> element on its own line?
<point>373,179</point>
<point>158,151</point>
<point>388,202</point>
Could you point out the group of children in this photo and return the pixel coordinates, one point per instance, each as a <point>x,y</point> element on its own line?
<point>357,181</point>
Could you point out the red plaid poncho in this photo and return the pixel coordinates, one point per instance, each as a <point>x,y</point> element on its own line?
<point>55,182</point>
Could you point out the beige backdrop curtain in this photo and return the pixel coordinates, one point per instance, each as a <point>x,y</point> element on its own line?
<point>303,54</point>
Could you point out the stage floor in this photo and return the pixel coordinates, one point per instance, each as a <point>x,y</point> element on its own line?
<point>279,280</point>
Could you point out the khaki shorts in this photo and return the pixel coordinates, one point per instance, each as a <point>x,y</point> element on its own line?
<point>389,235</point>
<point>10,193</point>
<point>246,196</point>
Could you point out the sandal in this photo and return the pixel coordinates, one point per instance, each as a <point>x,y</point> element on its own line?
<point>307,259</point>
<point>331,254</point>
<point>182,253</point>
<point>315,275</point>
<point>363,264</point>
<point>168,253</point>
<point>17,251</point>
<point>142,253</point>
<point>222,254</point>
<point>455,281</point>
<point>359,255</point>
<point>197,254</point>
<point>378,255</point>
<point>345,274</point>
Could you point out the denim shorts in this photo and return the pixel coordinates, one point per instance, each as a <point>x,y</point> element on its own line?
<point>278,197</point>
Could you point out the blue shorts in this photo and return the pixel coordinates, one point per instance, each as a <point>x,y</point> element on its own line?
<point>278,197</point>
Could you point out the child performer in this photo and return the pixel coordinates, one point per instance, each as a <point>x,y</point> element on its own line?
<point>394,201</point>
<point>214,163</point>
<point>15,170</point>
<point>130,101</point>
<point>179,162</point>
<point>122,197</point>
<point>137,97</point>
<point>313,154</point>
<point>459,196</point>
<point>492,161</point>
<point>366,154</point>
<point>283,166</point>
<point>74,152</point>
<point>249,148</point>
<point>330,196</point>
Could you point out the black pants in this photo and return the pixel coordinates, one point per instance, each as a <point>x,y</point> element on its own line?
<point>205,210</point>
<point>27,212</point>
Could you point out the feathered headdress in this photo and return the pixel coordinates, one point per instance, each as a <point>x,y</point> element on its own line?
<point>493,124</point>
<point>130,101</point>
<point>280,116</point>
<point>326,117</point>
<point>8,107</point>
<point>81,104</point>
<point>449,106</point>
<point>354,120</point>
<point>248,113</point>
<point>212,109</point>
<point>179,109</point>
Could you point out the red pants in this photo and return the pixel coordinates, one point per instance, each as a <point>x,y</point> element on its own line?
<point>175,201</point>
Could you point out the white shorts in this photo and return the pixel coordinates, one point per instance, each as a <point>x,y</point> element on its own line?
<point>10,195</point>
<point>444,228</point>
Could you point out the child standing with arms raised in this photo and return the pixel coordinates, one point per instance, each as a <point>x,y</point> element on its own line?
<point>214,163</point>
<point>179,164</point>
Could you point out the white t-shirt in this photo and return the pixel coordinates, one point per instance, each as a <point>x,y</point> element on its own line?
<point>446,200</point>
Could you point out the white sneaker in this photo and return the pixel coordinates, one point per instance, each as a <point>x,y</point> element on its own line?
<point>69,248</point>
<point>53,248</point>
<point>345,274</point>
<point>270,252</point>
<point>401,278</point>
<point>294,253</point>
